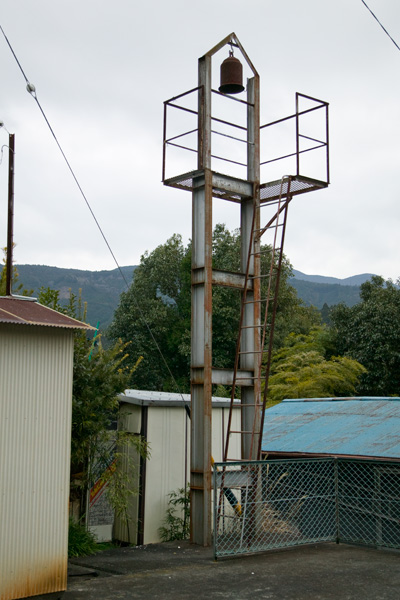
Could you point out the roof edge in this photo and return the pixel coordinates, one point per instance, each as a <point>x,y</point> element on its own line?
<point>19,311</point>
<point>345,399</point>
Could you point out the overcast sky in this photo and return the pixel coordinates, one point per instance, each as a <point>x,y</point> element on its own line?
<point>102,71</point>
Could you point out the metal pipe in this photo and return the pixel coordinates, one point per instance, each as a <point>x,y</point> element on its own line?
<point>303,112</point>
<point>327,146</point>
<point>294,153</point>
<point>10,222</point>
<point>164,143</point>
<point>297,136</point>
<point>233,98</point>
<point>142,479</point>
<point>337,514</point>
<point>181,95</point>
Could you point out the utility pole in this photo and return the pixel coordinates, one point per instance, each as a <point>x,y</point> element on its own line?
<point>10,222</point>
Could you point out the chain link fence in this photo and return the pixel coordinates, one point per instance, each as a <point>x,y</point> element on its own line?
<point>275,504</point>
<point>369,503</point>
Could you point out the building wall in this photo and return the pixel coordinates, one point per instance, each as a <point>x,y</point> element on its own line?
<point>130,419</point>
<point>165,470</point>
<point>35,427</point>
<point>168,434</point>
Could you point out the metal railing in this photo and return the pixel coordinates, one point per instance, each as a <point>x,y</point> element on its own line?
<point>178,141</point>
<point>312,143</point>
<point>281,503</point>
<point>302,141</point>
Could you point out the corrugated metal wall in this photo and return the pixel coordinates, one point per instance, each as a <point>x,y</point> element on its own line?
<point>166,467</point>
<point>35,423</point>
<point>165,470</point>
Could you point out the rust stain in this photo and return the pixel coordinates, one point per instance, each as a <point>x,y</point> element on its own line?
<point>50,577</point>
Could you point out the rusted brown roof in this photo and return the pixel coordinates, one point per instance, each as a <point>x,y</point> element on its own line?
<point>27,311</point>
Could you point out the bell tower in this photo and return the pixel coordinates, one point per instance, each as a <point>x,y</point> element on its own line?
<point>227,169</point>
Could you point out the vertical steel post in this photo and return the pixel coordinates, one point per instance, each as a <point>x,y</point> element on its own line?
<point>164,154</point>
<point>377,504</point>
<point>10,223</point>
<point>327,143</point>
<point>337,499</point>
<point>297,136</point>
<point>142,481</point>
<point>251,319</point>
<point>201,345</point>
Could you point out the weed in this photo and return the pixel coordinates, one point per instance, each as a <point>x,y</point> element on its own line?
<point>81,542</point>
<point>177,517</point>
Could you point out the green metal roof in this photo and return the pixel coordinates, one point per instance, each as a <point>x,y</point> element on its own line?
<point>363,426</point>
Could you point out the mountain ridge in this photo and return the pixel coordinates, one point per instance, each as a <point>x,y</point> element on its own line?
<point>102,289</point>
<point>353,280</point>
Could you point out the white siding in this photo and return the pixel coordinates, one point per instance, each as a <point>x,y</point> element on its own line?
<point>35,424</point>
<point>166,467</point>
<point>165,471</point>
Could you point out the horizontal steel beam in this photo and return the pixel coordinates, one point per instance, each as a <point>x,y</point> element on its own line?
<point>244,377</point>
<point>223,278</point>
<point>229,279</point>
<point>243,188</point>
<point>225,377</point>
<point>232,479</point>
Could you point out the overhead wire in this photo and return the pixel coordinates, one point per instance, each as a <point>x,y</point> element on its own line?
<point>32,90</point>
<point>2,152</point>
<point>378,21</point>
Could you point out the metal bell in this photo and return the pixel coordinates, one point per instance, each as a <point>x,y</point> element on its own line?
<point>231,75</point>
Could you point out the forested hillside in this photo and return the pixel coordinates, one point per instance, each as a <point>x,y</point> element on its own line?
<point>356,353</point>
<point>102,289</point>
<point>318,294</point>
<point>318,290</point>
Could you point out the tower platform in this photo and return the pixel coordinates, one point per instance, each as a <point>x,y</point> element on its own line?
<point>234,189</point>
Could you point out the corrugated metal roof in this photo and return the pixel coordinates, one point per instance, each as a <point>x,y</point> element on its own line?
<point>27,311</point>
<point>148,398</point>
<point>364,426</point>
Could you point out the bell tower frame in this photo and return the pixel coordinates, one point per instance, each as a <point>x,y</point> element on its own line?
<point>203,376</point>
<point>207,184</point>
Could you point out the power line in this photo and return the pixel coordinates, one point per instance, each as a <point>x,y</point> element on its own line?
<point>385,30</point>
<point>32,90</point>
<point>13,53</point>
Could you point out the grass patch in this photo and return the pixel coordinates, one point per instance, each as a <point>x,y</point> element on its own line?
<point>81,542</point>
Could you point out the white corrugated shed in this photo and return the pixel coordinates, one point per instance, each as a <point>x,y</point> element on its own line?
<point>36,365</point>
<point>162,418</point>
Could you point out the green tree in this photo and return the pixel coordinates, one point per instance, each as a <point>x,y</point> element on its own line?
<point>99,375</point>
<point>370,333</point>
<point>325,314</point>
<point>159,300</point>
<point>301,369</point>
<point>17,288</point>
<point>155,313</point>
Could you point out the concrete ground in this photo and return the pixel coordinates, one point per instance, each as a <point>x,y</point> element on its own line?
<point>180,571</point>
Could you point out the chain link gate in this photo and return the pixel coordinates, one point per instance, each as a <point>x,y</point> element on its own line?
<point>274,504</point>
<point>369,503</point>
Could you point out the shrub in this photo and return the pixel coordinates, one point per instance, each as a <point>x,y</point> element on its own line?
<point>177,517</point>
<point>81,542</point>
